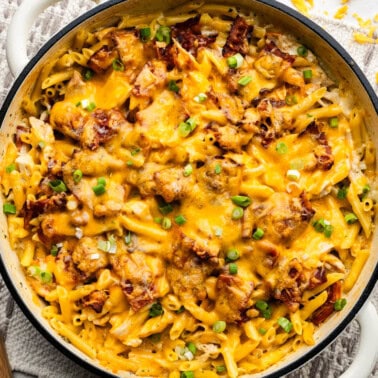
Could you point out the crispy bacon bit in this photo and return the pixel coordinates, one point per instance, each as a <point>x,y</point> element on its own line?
<point>237,40</point>
<point>318,277</point>
<point>271,47</point>
<point>233,297</point>
<point>322,152</point>
<point>289,288</point>
<point>165,54</point>
<point>102,126</point>
<point>102,59</point>
<point>307,212</point>
<point>95,300</point>
<point>32,209</point>
<point>18,139</point>
<point>188,34</point>
<point>324,311</point>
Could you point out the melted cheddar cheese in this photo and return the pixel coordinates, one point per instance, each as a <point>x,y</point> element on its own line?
<point>188,193</point>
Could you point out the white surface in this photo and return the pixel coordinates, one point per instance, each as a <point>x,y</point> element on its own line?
<point>30,353</point>
<point>367,353</point>
<point>364,8</point>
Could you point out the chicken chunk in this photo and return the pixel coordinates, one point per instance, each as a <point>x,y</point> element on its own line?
<point>233,297</point>
<point>95,300</point>
<point>171,184</point>
<point>153,76</point>
<point>138,279</point>
<point>87,257</point>
<point>284,217</point>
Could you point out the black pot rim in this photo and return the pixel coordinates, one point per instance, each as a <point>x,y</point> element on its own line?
<point>273,4</point>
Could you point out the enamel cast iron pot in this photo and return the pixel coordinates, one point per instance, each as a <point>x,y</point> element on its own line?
<point>337,63</point>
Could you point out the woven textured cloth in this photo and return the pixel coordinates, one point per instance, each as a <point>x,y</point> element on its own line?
<point>29,353</point>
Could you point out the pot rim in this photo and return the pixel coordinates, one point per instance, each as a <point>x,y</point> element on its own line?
<point>315,350</point>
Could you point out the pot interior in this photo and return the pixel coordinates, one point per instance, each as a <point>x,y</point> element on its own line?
<point>337,66</point>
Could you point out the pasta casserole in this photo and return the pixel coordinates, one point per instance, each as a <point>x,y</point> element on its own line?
<point>189,193</point>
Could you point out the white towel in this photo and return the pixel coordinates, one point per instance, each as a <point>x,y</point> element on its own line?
<point>29,352</point>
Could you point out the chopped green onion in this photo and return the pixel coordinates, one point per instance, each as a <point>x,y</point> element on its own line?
<point>218,232</point>
<point>129,163</point>
<point>158,220</point>
<point>109,245</point>
<point>10,168</point>
<point>99,189</point>
<point>262,331</point>
<point>264,308</point>
<point>285,324</point>
<point>42,144</point>
<point>281,148</point>
<point>365,191</point>
<point>180,310</point>
<point>185,128</point>
<point>43,275</point>
<point>89,106</point>
<point>323,226</point>
<point>172,86</point>
<point>118,65</point>
<point>163,34</point>
<point>201,97</point>
<point>135,151</point>
<point>293,174</point>
<point>166,223</point>
<point>235,61</point>
<point>258,234</point>
<point>180,220</point>
<point>307,74</point>
<point>128,238</point>
<point>46,277</point>
<point>192,347</point>
<point>342,192</point>
<point>144,34</point>
<point>165,208</point>
<point>333,122</point>
<point>245,80</point>
<point>9,208</point>
<point>340,304</point>
<point>217,169</point>
<point>188,170</point>
<point>219,326</point>
<point>101,181</point>
<point>54,250</point>
<point>220,369</point>
<point>187,374</point>
<point>77,176</point>
<point>233,268</point>
<point>242,201</point>
<point>232,255</point>
<point>58,186</point>
<point>291,100</point>
<point>155,310</point>
<point>88,74</point>
<point>302,51</point>
<point>237,213</point>
<point>350,218</point>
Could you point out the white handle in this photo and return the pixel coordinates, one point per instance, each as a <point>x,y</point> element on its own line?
<point>367,353</point>
<point>18,32</point>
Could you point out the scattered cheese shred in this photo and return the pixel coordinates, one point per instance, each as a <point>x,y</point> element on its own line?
<point>375,18</point>
<point>303,5</point>
<point>376,77</point>
<point>344,1</point>
<point>362,38</point>
<point>341,13</point>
